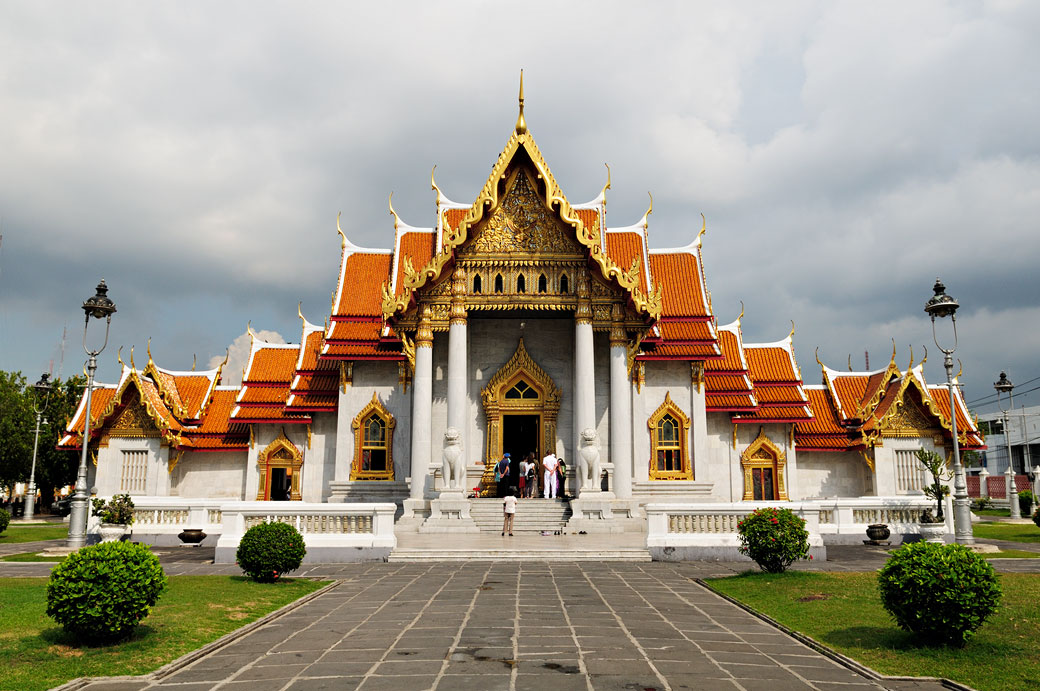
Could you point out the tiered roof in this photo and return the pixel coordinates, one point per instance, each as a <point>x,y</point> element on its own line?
<point>188,410</point>
<point>855,410</point>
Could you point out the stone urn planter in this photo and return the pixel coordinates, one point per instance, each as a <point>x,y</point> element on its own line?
<point>878,532</point>
<point>192,536</point>
<point>112,532</point>
<point>932,532</point>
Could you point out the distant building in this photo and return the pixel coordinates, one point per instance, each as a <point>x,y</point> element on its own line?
<point>1024,430</point>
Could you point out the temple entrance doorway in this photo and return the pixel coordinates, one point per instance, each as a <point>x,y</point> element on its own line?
<point>520,436</point>
<point>521,403</point>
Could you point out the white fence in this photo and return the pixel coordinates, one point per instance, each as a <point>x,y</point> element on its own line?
<point>332,532</point>
<point>709,531</point>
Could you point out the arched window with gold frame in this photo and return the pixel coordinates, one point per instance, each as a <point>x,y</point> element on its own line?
<point>373,443</point>
<point>280,464</point>
<point>763,463</point>
<point>669,442</point>
<point>476,284</point>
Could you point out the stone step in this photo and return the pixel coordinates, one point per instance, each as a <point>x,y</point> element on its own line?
<point>532,515</point>
<point>430,555</point>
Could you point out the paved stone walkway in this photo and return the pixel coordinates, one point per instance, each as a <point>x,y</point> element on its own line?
<point>498,625</point>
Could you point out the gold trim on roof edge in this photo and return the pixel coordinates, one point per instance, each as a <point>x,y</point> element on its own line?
<point>489,199</point>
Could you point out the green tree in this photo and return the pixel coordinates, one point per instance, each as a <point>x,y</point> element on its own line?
<point>54,467</point>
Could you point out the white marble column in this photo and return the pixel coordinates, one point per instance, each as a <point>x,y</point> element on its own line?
<point>422,407</point>
<point>458,378</point>
<point>620,418</point>
<point>698,422</point>
<point>584,381</point>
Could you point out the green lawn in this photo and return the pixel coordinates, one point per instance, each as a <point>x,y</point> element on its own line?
<point>32,533</point>
<point>36,653</point>
<point>843,611</point>
<point>37,556</point>
<point>1012,554</point>
<point>1005,513</point>
<point>1007,531</point>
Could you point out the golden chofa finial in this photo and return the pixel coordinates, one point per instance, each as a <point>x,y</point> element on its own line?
<point>603,192</point>
<point>791,335</point>
<point>704,226</point>
<point>343,242</point>
<point>390,204</point>
<point>521,125</point>
<point>850,362</point>
<point>299,310</point>
<point>119,356</point>
<point>911,365</point>
<point>194,361</point>
<point>149,346</point>
<point>433,183</point>
<point>925,358</point>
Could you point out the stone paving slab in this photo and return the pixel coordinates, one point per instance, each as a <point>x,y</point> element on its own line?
<point>513,626</point>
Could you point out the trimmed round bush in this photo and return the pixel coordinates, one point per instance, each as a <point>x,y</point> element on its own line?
<point>100,593</point>
<point>5,520</point>
<point>940,593</point>
<point>773,538</point>
<point>1025,502</point>
<point>269,550</point>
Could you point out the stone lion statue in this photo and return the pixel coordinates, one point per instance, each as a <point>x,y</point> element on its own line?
<point>588,461</point>
<point>453,469</point>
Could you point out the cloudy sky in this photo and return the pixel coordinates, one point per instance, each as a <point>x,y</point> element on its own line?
<point>195,155</point>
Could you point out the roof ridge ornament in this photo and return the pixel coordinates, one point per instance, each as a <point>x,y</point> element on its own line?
<point>603,192</point>
<point>925,358</point>
<point>521,124</point>
<point>390,204</point>
<point>649,211</point>
<point>790,336</point>
<point>150,351</point>
<point>119,356</point>
<point>911,365</point>
<point>194,360</point>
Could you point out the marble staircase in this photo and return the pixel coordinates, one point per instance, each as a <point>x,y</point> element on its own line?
<point>532,515</point>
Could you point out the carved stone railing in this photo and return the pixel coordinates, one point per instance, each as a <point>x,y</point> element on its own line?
<point>158,520</point>
<point>332,532</point>
<point>699,531</point>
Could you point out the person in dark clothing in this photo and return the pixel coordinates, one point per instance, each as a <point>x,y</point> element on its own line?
<point>561,470</point>
<point>502,476</point>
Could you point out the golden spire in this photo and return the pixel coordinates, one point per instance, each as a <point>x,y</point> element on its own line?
<point>150,351</point>
<point>925,358</point>
<point>194,360</point>
<point>603,192</point>
<point>521,125</point>
<point>791,335</point>
<point>911,365</point>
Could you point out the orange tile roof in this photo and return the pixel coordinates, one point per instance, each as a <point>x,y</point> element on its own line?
<point>453,217</point>
<point>727,383</point>
<point>363,275</point>
<point>314,392</point>
<point>679,277</point>
<point>218,415</point>
<point>771,364</point>
<point>258,395</point>
<point>776,413</point>
<point>731,360</point>
<point>623,247</point>
<point>309,351</point>
<point>418,247</point>
<point>824,431</point>
<point>669,351</point>
<point>719,402</point>
<point>350,351</point>
<point>966,428</point>
<point>589,219</point>
<point>367,330</point>
<point>271,364</point>
<point>701,331</point>
<point>266,414</point>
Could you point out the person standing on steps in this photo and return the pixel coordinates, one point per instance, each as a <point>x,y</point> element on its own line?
<point>502,476</point>
<point>508,513</point>
<point>561,472</point>
<point>549,463</point>
<point>532,474</point>
<point>522,484</point>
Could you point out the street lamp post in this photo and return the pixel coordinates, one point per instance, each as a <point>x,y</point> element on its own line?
<point>1004,385</point>
<point>43,388</point>
<point>942,305</point>
<point>99,306</point>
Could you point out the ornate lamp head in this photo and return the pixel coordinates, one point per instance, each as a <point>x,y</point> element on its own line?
<point>1003,385</point>
<point>43,387</point>
<point>941,305</point>
<point>100,306</point>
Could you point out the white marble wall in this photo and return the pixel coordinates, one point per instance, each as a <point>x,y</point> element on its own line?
<point>107,476</point>
<point>380,378</point>
<point>826,474</point>
<point>211,475</point>
<point>662,377</point>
